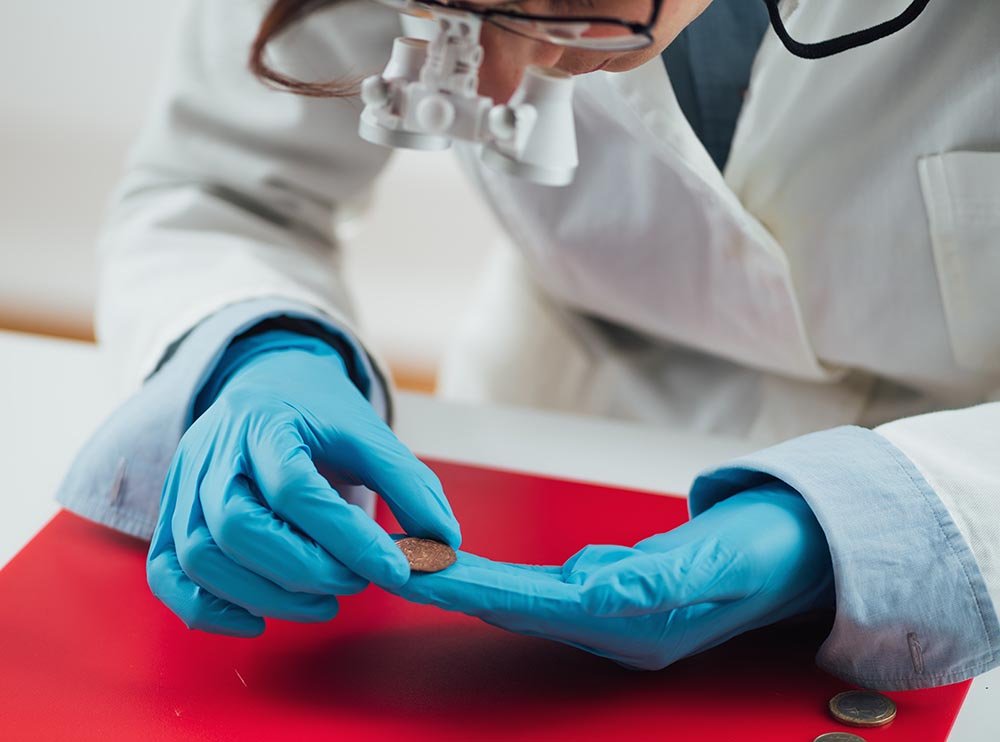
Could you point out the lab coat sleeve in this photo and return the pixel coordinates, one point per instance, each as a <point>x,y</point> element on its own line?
<point>224,218</point>
<point>232,190</point>
<point>910,511</point>
<point>117,476</point>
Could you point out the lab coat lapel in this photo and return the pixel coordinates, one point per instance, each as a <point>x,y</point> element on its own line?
<point>646,95</point>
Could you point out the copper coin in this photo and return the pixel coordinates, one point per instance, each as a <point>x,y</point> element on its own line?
<point>425,555</point>
<point>839,737</point>
<point>862,708</point>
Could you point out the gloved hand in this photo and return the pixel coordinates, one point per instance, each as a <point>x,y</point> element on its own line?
<point>751,560</point>
<point>248,527</point>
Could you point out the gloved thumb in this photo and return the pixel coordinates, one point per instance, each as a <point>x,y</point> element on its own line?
<point>701,572</point>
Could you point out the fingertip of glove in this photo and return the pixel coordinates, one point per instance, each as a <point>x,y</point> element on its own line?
<point>328,610</point>
<point>397,575</point>
<point>249,632</point>
<point>350,587</point>
<point>447,528</point>
<point>453,535</point>
<point>235,625</point>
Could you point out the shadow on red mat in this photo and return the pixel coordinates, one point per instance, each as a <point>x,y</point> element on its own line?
<point>86,652</point>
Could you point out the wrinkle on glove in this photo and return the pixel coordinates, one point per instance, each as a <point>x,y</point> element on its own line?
<point>749,561</point>
<point>251,524</point>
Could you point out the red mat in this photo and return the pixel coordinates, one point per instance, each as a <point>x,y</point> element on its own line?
<point>86,652</point>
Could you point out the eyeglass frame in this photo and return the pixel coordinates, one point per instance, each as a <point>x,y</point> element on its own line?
<point>816,50</point>
<point>486,12</point>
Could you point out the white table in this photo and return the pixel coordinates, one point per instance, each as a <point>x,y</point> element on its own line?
<point>53,393</point>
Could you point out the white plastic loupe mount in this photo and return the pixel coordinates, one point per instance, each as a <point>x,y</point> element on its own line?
<point>535,133</point>
<point>427,96</point>
<point>382,120</point>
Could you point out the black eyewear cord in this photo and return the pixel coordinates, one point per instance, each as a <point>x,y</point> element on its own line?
<point>847,41</point>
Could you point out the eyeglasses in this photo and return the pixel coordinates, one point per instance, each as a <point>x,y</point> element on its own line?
<point>608,25</point>
<point>626,25</point>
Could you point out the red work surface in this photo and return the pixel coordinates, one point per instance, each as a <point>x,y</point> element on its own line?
<point>86,652</point>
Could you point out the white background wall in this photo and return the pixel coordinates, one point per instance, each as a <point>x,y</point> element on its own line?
<point>74,88</point>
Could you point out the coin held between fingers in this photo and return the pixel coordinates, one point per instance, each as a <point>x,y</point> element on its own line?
<point>425,555</point>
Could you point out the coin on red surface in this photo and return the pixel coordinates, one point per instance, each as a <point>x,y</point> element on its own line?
<point>862,708</point>
<point>425,555</point>
<point>839,737</point>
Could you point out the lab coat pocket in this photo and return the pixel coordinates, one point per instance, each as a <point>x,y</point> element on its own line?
<point>962,195</point>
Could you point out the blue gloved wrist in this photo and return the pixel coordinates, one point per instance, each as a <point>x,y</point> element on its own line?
<point>244,350</point>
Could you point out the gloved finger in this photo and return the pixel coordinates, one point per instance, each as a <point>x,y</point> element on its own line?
<point>700,572</point>
<point>195,606</point>
<point>592,558</point>
<point>521,598</point>
<point>253,537</point>
<point>286,476</point>
<point>694,530</point>
<point>673,539</point>
<point>208,567</point>
<point>528,600</point>
<point>411,490</point>
<point>205,564</point>
<point>548,569</point>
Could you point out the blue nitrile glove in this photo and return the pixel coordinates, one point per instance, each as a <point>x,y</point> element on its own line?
<point>751,560</point>
<point>249,527</point>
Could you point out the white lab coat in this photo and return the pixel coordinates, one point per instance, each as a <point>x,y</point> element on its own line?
<point>844,269</point>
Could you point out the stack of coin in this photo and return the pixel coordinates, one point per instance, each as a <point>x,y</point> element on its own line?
<point>862,708</point>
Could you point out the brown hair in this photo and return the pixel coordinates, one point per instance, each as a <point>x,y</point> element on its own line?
<point>280,16</point>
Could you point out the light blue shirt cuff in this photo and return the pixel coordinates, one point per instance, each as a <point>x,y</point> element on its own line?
<point>117,477</point>
<point>912,606</point>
